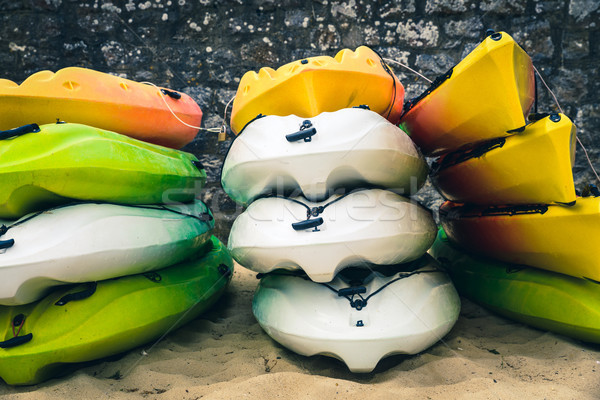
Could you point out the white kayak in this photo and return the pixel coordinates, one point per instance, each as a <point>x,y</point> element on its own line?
<point>90,241</point>
<point>349,148</point>
<point>359,321</point>
<point>363,227</point>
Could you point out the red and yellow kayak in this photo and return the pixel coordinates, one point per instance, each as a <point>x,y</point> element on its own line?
<point>485,96</point>
<point>101,100</point>
<point>557,238</point>
<point>311,86</point>
<point>532,167</point>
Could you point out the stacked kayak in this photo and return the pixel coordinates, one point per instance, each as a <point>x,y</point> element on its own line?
<point>517,237</point>
<point>314,85</point>
<point>90,321</point>
<point>44,166</point>
<point>362,315</point>
<point>38,256</point>
<point>314,157</point>
<point>101,100</point>
<point>552,237</point>
<point>103,244</point>
<point>364,227</point>
<point>532,167</point>
<point>543,299</point>
<point>325,178</point>
<point>485,96</point>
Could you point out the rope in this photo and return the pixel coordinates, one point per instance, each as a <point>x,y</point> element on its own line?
<point>315,211</point>
<point>223,130</point>
<point>577,138</point>
<point>20,327</point>
<point>162,96</point>
<point>365,300</point>
<point>387,69</point>
<point>408,68</point>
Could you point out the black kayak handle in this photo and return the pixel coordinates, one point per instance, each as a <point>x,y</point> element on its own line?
<point>350,291</point>
<point>5,244</point>
<point>22,130</point>
<point>309,223</point>
<point>172,94</point>
<point>84,294</point>
<point>306,132</point>
<point>16,341</point>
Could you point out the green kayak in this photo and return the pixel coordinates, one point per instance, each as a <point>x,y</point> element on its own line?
<point>95,320</point>
<point>49,165</point>
<point>546,300</point>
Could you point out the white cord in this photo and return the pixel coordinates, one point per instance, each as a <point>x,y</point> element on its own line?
<point>162,96</point>
<point>561,110</point>
<point>408,68</point>
<point>548,88</point>
<point>223,130</point>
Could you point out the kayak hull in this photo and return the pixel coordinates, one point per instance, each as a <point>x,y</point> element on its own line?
<point>109,102</point>
<point>351,148</point>
<point>406,317</point>
<point>120,315</point>
<point>314,85</point>
<point>542,299</point>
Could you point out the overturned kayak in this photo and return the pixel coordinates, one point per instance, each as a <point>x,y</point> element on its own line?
<point>44,166</point>
<point>360,228</point>
<point>91,242</point>
<point>362,316</point>
<point>346,149</point>
<point>533,167</point>
<point>310,86</point>
<point>89,97</point>
<point>485,96</point>
<point>90,321</point>
<point>542,299</point>
<point>557,238</point>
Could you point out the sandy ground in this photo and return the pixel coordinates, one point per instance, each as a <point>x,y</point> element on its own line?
<point>225,355</point>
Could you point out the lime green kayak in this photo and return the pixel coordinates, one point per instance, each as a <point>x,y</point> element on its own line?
<point>41,167</point>
<point>95,320</point>
<point>543,299</point>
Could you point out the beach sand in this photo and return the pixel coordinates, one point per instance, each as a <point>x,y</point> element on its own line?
<point>224,354</point>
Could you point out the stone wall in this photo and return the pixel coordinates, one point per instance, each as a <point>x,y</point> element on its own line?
<point>203,47</point>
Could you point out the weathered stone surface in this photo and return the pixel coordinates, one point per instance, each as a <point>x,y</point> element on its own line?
<point>447,6</point>
<point>396,9</point>
<point>545,6</point>
<point>418,34</point>
<point>434,65</point>
<point>467,28</point>
<point>569,85</point>
<point>203,47</point>
<point>582,9</point>
<point>536,40</point>
<point>575,45</point>
<point>503,6</point>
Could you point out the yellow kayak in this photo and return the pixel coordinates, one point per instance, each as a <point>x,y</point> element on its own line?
<point>485,96</point>
<point>533,167</point>
<point>309,87</point>
<point>102,100</point>
<point>557,238</point>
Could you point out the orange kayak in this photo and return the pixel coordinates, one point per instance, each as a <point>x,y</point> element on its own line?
<point>309,87</point>
<point>101,100</point>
